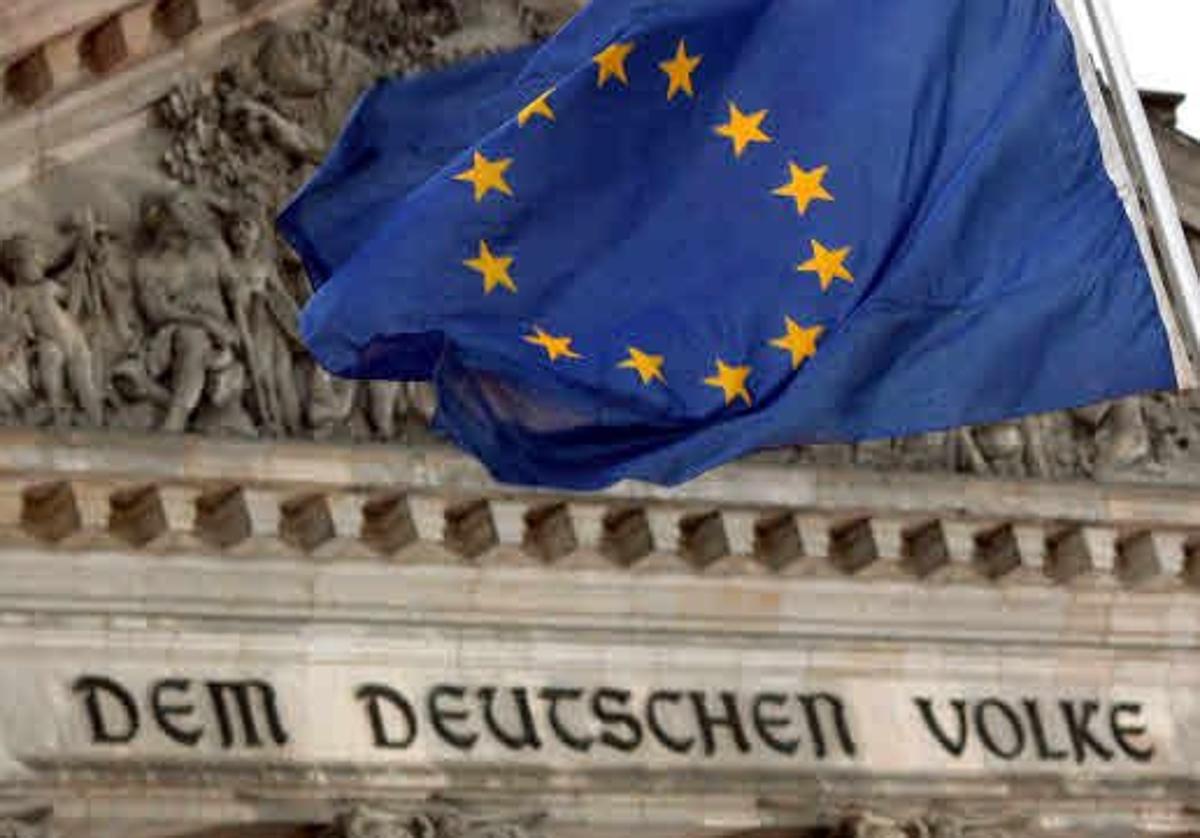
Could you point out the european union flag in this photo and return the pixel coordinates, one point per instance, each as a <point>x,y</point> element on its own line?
<point>683,230</point>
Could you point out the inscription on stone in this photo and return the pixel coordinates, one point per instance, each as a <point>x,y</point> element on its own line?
<point>246,712</point>
<point>810,726</point>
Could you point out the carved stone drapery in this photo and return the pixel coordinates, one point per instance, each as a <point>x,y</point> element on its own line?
<point>436,819</point>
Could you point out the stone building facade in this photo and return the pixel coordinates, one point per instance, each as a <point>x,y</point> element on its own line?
<point>241,598</point>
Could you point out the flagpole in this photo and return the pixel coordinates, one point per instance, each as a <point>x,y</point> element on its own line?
<point>1164,215</point>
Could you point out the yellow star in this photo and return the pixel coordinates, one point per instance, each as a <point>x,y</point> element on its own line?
<point>743,129</point>
<point>556,347</point>
<point>493,268</point>
<point>649,367</point>
<point>679,71</point>
<point>611,61</point>
<point>538,107</point>
<point>799,341</point>
<point>487,175</point>
<point>731,381</point>
<point>805,187</point>
<point>827,264</point>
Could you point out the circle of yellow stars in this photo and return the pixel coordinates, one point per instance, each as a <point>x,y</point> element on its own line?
<point>744,130</point>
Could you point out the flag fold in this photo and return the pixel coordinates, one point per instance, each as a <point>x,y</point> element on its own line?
<point>678,232</point>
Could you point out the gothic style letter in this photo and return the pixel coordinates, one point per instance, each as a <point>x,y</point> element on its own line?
<point>553,695</point>
<point>729,718</point>
<point>439,715</point>
<point>376,694</point>
<point>163,712</point>
<point>602,708</point>
<point>101,733</point>
<point>527,737</point>
<point>1045,752</point>
<point>1017,734</point>
<point>1078,728</point>
<point>817,731</point>
<point>954,746</point>
<point>764,723</point>
<point>242,692</point>
<point>679,746</point>
<point>1120,731</point>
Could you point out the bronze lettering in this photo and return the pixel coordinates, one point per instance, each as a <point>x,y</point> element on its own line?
<point>552,696</point>
<point>811,702</point>
<point>92,687</point>
<point>671,743</point>
<point>377,696</point>
<point>609,706</point>
<point>1122,730</point>
<point>764,724</point>
<point>440,716</point>
<point>527,736</point>
<point>163,711</point>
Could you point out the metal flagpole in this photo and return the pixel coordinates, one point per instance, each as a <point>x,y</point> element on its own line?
<point>1164,215</point>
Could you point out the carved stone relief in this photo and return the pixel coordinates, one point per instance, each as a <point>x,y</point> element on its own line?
<point>437,819</point>
<point>185,319</point>
<point>934,824</point>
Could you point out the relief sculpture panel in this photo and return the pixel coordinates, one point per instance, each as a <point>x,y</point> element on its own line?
<point>183,319</point>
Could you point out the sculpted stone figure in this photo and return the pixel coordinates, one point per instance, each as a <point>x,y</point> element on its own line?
<point>99,291</point>
<point>38,305</point>
<point>935,824</point>
<point>16,386</point>
<point>330,402</point>
<point>266,318</point>
<point>178,278</point>
<point>310,78</point>
<point>1121,436</point>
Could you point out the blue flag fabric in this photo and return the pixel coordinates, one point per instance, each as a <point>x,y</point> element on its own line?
<point>678,232</point>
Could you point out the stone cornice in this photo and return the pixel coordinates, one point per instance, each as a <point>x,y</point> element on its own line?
<point>75,82</point>
<point>288,532</point>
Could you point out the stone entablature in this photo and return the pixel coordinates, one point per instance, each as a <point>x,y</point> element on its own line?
<point>161,496</point>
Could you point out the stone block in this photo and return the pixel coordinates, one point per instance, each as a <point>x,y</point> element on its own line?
<point>306,522</point>
<point>852,546</point>
<point>104,47</point>
<point>925,549</point>
<point>176,18</point>
<point>627,537</point>
<point>702,539</point>
<point>1146,555</point>
<point>29,78</point>
<point>50,512</point>
<point>387,525</point>
<point>549,532</point>
<point>1081,550</point>
<point>777,540</point>
<point>470,530</point>
<point>223,518</point>
<point>136,515</point>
